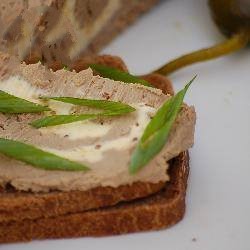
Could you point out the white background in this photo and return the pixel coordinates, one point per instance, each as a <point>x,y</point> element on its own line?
<point>218,199</point>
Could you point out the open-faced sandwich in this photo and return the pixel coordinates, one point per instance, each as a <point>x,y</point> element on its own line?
<point>84,155</point>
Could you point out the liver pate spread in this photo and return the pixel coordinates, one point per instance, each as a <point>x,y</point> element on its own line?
<point>103,145</point>
<point>60,30</point>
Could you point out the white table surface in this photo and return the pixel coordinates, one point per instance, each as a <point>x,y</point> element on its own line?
<point>218,200</point>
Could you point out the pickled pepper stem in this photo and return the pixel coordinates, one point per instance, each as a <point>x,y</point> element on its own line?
<point>236,42</point>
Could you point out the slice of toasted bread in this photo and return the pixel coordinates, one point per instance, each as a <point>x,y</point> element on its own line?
<point>25,216</point>
<point>16,206</point>
<point>155,212</point>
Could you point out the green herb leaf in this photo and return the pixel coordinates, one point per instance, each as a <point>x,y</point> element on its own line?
<point>111,109</point>
<point>61,119</point>
<point>116,107</point>
<point>15,105</point>
<point>156,133</point>
<point>118,75</point>
<point>65,67</point>
<point>37,157</point>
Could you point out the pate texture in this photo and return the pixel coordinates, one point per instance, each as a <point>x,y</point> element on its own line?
<point>103,145</point>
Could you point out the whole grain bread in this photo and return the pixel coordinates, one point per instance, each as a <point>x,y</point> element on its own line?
<point>101,211</point>
<point>16,206</point>
<point>155,212</point>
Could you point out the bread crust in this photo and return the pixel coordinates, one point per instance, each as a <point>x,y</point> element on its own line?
<point>101,211</point>
<point>155,212</point>
<point>16,206</point>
